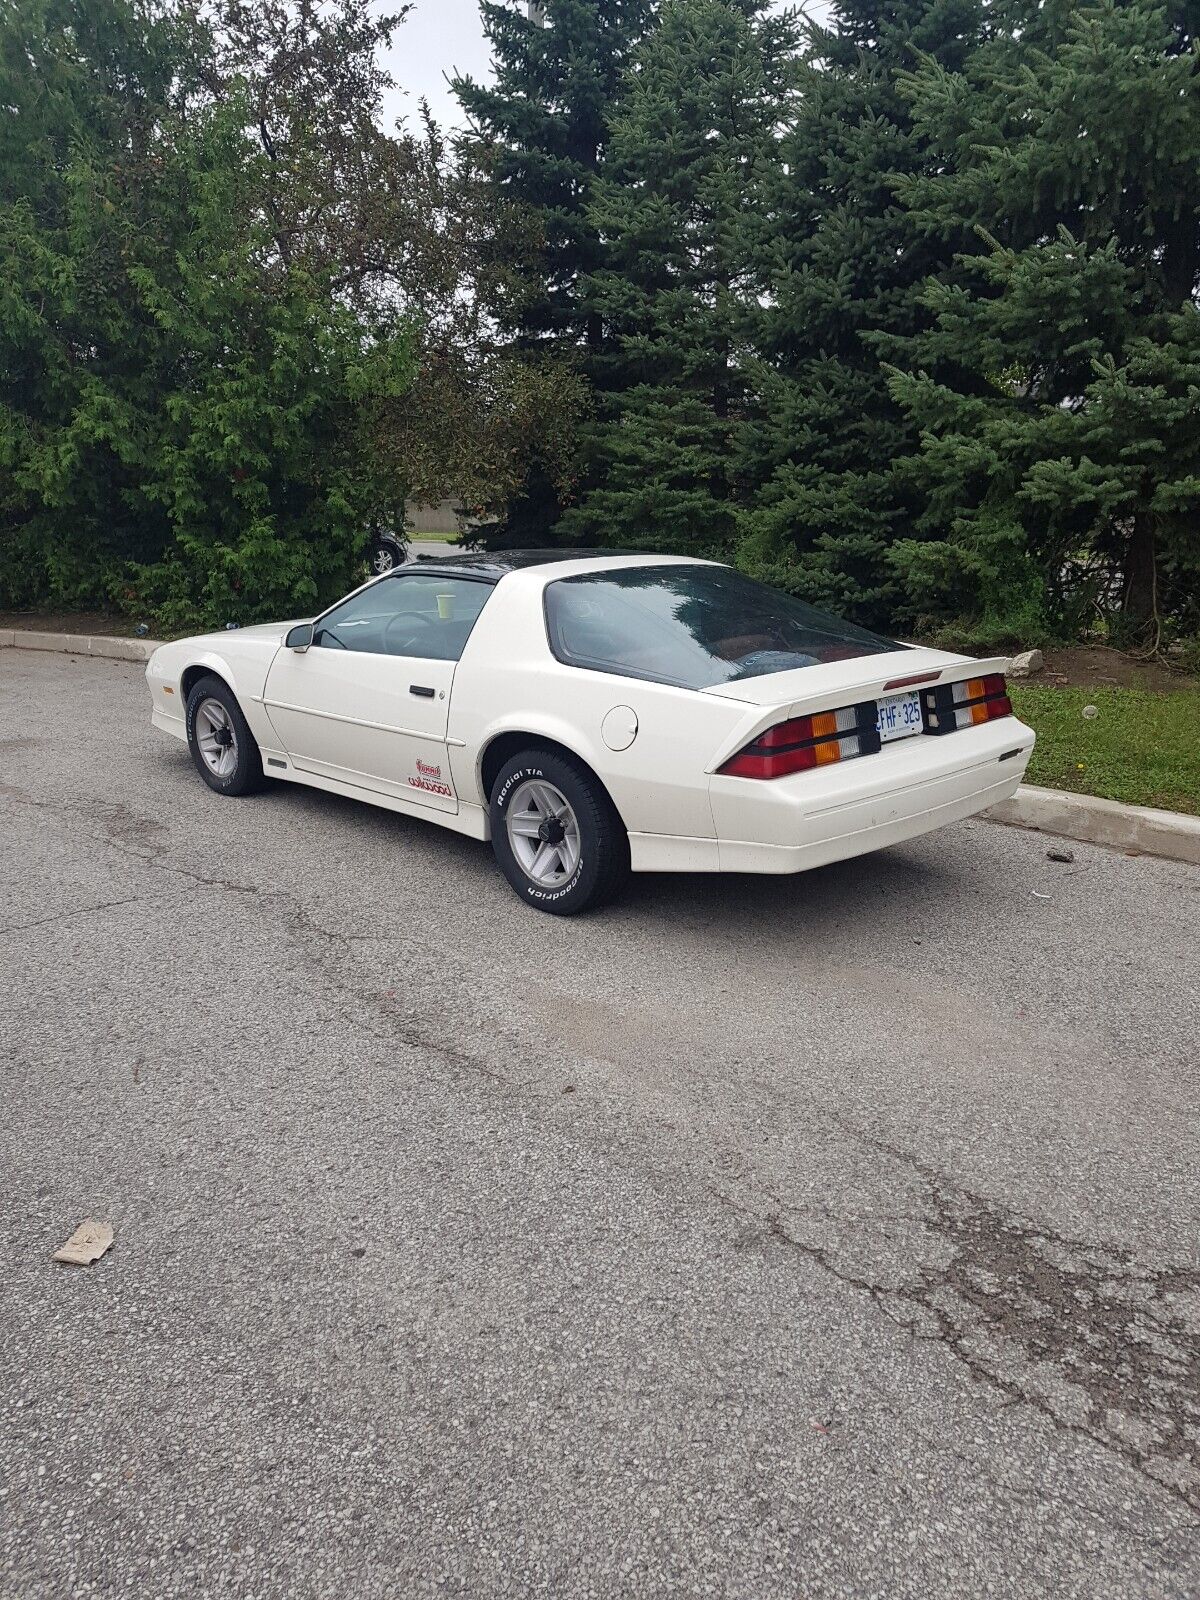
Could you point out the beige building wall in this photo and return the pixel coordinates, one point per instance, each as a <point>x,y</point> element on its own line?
<point>441,518</point>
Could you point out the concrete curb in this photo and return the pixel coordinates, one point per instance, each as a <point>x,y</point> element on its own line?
<point>79,644</point>
<point>1094,821</point>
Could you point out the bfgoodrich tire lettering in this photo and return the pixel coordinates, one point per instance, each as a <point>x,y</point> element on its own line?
<point>224,750</point>
<point>579,822</point>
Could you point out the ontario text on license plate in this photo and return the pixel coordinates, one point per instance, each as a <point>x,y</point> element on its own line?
<point>898,715</point>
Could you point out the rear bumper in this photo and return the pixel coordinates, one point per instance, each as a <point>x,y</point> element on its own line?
<point>922,785</point>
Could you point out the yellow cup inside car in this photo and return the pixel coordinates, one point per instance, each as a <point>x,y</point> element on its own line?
<point>445,605</point>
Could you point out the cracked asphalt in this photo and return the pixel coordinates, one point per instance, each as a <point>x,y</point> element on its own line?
<point>819,1237</point>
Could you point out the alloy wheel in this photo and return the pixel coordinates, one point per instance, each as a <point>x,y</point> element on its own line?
<point>543,832</point>
<point>216,738</point>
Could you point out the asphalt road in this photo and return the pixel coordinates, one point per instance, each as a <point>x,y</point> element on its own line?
<point>833,1236</point>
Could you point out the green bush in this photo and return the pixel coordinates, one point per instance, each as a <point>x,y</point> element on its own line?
<point>186,416</point>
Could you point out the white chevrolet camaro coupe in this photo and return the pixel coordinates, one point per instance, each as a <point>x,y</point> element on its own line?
<point>594,714</point>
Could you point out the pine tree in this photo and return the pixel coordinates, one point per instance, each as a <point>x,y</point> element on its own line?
<point>1056,384</point>
<point>840,261</point>
<point>557,68</point>
<point>675,205</point>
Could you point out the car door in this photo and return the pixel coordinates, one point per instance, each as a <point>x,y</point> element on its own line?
<point>367,702</point>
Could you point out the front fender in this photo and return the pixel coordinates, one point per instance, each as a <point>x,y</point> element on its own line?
<point>242,665</point>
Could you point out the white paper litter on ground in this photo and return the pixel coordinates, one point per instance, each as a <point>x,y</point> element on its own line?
<point>87,1244</point>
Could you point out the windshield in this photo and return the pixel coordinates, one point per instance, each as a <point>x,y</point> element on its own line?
<point>693,626</point>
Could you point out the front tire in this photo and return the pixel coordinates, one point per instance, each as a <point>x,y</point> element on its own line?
<point>224,750</point>
<point>556,834</point>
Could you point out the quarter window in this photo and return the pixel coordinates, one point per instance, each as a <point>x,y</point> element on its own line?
<point>693,626</point>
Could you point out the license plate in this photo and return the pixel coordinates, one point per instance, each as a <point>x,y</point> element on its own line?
<point>898,715</point>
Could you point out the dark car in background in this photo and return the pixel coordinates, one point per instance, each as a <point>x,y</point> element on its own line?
<point>388,549</point>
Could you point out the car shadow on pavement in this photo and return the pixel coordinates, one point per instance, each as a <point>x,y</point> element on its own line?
<point>801,900</point>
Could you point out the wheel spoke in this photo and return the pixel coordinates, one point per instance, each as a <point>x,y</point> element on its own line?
<point>539,867</point>
<point>525,825</point>
<point>550,801</point>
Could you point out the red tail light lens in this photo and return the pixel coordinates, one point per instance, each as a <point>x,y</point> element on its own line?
<point>801,743</point>
<point>961,705</point>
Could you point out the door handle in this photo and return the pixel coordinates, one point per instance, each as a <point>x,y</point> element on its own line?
<point>420,688</point>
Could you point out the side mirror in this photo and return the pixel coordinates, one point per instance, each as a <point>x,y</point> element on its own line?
<point>300,637</point>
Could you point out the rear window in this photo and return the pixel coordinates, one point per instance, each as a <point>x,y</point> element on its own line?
<point>693,626</point>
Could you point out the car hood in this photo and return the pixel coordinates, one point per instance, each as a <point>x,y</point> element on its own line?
<point>272,632</point>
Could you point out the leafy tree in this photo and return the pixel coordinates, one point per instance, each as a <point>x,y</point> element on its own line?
<point>397,218</point>
<point>1055,387</point>
<point>480,415</point>
<point>557,69</point>
<point>239,320</point>
<point>840,260</point>
<point>689,151</point>
<point>185,417</point>
<point>77,80</point>
<point>336,188</point>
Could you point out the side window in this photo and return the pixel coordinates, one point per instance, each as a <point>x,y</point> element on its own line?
<point>418,615</point>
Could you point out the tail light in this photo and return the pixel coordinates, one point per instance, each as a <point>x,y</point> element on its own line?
<point>828,736</point>
<point>804,742</point>
<point>959,705</point>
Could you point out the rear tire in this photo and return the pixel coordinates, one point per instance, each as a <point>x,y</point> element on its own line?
<point>556,834</point>
<point>224,751</point>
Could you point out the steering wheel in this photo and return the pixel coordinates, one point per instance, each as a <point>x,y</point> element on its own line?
<point>412,621</point>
